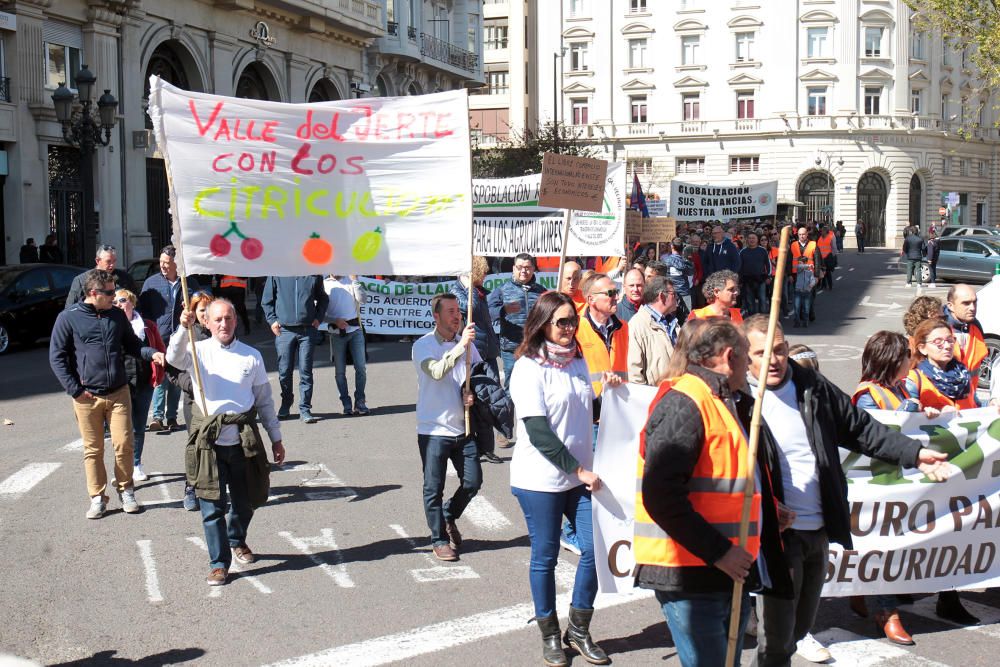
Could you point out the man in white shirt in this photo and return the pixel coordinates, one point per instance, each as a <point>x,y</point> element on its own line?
<point>346,334</point>
<point>439,357</point>
<point>224,451</point>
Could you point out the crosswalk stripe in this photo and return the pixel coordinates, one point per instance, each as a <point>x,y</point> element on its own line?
<point>436,571</point>
<point>336,571</point>
<point>152,580</point>
<point>483,513</point>
<point>989,617</point>
<point>233,567</point>
<point>440,636</point>
<point>857,650</point>
<point>26,478</point>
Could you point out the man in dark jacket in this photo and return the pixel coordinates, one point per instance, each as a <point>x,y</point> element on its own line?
<point>162,301</point>
<point>913,251</point>
<point>487,342</point>
<point>294,308</point>
<point>86,353</point>
<point>29,252</point>
<point>806,418</point>
<point>721,254</point>
<point>509,305</point>
<point>693,577</point>
<point>106,260</point>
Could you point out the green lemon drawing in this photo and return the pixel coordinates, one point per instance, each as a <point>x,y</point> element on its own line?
<point>367,246</point>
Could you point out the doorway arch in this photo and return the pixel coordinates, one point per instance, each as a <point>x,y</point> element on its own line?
<point>872,196</point>
<point>816,191</point>
<point>917,208</point>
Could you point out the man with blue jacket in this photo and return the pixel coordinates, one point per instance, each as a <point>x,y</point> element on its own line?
<point>721,254</point>
<point>162,301</point>
<point>86,352</point>
<point>509,305</point>
<point>294,307</point>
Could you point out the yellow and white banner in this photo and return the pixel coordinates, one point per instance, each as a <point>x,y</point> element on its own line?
<point>365,186</point>
<point>910,535</point>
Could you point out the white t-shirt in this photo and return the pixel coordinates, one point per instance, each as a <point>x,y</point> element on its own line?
<point>439,402</point>
<point>565,397</point>
<point>799,473</point>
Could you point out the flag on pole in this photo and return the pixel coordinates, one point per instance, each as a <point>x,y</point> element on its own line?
<point>637,200</point>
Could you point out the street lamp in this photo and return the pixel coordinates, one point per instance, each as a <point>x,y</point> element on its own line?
<point>86,131</point>
<point>829,186</point>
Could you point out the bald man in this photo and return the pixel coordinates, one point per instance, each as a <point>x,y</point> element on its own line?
<point>570,285</point>
<point>631,302</point>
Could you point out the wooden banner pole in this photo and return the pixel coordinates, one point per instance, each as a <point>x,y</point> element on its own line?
<point>472,289</point>
<point>772,326</point>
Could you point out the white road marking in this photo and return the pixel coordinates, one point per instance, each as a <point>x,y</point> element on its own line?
<point>884,306</point>
<point>26,478</point>
<point>337,571</point>
<point>233,567</point>
<point>77,445</point>
<point>322,476</point>
<point>856,650</point>
<point>164,488</point>
<point>989,617</point>
<point>483,513</point>
<point>440,636</point>
<point>152,581</point>
<point>435,572</point>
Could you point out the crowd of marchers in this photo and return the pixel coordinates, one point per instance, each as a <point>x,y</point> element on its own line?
<point>528,375</point>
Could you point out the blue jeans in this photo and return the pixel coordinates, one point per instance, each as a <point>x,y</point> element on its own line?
<point>803,304</point>
<point>293,343</point>
<point>141,398</point>
<point>699,625</point>
<point>435,452</point>
<point>222,535</point>
<point>755,296</point>
<point>543,512</point>
<point>165,399</point>
<point>508,365</point>
<point>355,341</point>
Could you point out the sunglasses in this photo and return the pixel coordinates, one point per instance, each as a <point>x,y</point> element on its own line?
<point>566,322</point>
<point>121,299</point>
<point>611,293</point>
<point>105,292</point>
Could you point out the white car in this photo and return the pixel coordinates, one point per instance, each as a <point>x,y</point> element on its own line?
<point>988,313</point>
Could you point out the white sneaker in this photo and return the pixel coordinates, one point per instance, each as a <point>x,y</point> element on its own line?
<point>138,474</point>
<point>932,285</point>
<point>810,649</point>
<point>97,508</point>
<point>129,504</point>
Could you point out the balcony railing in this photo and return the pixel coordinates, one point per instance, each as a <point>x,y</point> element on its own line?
<point>392,28</point>
<point>5,89</point>
<point>882,125</point>
<point>438,49</point>
<point>411,32</point>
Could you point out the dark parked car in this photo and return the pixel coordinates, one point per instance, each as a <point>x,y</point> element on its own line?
<point>31,297</point>
<point>143,269</point>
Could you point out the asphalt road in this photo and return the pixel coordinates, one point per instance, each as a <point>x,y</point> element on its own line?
<point>344,575</point>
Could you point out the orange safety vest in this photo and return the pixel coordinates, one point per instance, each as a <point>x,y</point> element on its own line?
<point>809,252</point>
<point>929,396</point>
<point>774,259</point>
<point>232,281</point>
<point>701,313</point>
<point>884,398</point>
<point>825,244</point>
<point>579,302</point>
<point>597,355</point>
<point>606,264</point>
<point>975,350</point>
<point>715,489</point>
<point>547,263</point>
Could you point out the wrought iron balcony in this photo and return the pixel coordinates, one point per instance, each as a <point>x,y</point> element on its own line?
<point>5,89</point>
<point>392,28</point>
<point>438,49</point>
<point>411,32</point>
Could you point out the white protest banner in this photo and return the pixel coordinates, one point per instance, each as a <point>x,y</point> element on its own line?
<point>508,219</point>
<point>623,415</point>
<point>913,536</point>
<point>692,202</point>
<point>396,308</point>
<point>374,185</point>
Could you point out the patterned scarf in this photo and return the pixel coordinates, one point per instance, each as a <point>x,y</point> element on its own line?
<point>556,355</point>
<point>953,381</point>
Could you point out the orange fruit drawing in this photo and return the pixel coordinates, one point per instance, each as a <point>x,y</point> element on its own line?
<point>316,250</point>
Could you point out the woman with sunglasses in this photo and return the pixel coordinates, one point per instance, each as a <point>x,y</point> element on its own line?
<point>550,471</point>
<point>200,301</point>
<point>142,376</point>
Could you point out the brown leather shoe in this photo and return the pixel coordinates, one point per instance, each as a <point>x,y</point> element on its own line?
<point>858,605</point>
<point>444,552</point>
<point>217,577</point>
<point>243,555</point>
<point>454,536</point>
<point>893,628</point>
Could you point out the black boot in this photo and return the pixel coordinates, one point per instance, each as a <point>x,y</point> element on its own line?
<point>552,651</point>
<point>949,607</point>
<point>578,636</point>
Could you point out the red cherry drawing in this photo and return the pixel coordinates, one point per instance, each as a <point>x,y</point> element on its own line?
<point>219,246</point>
<point>252,248</point>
